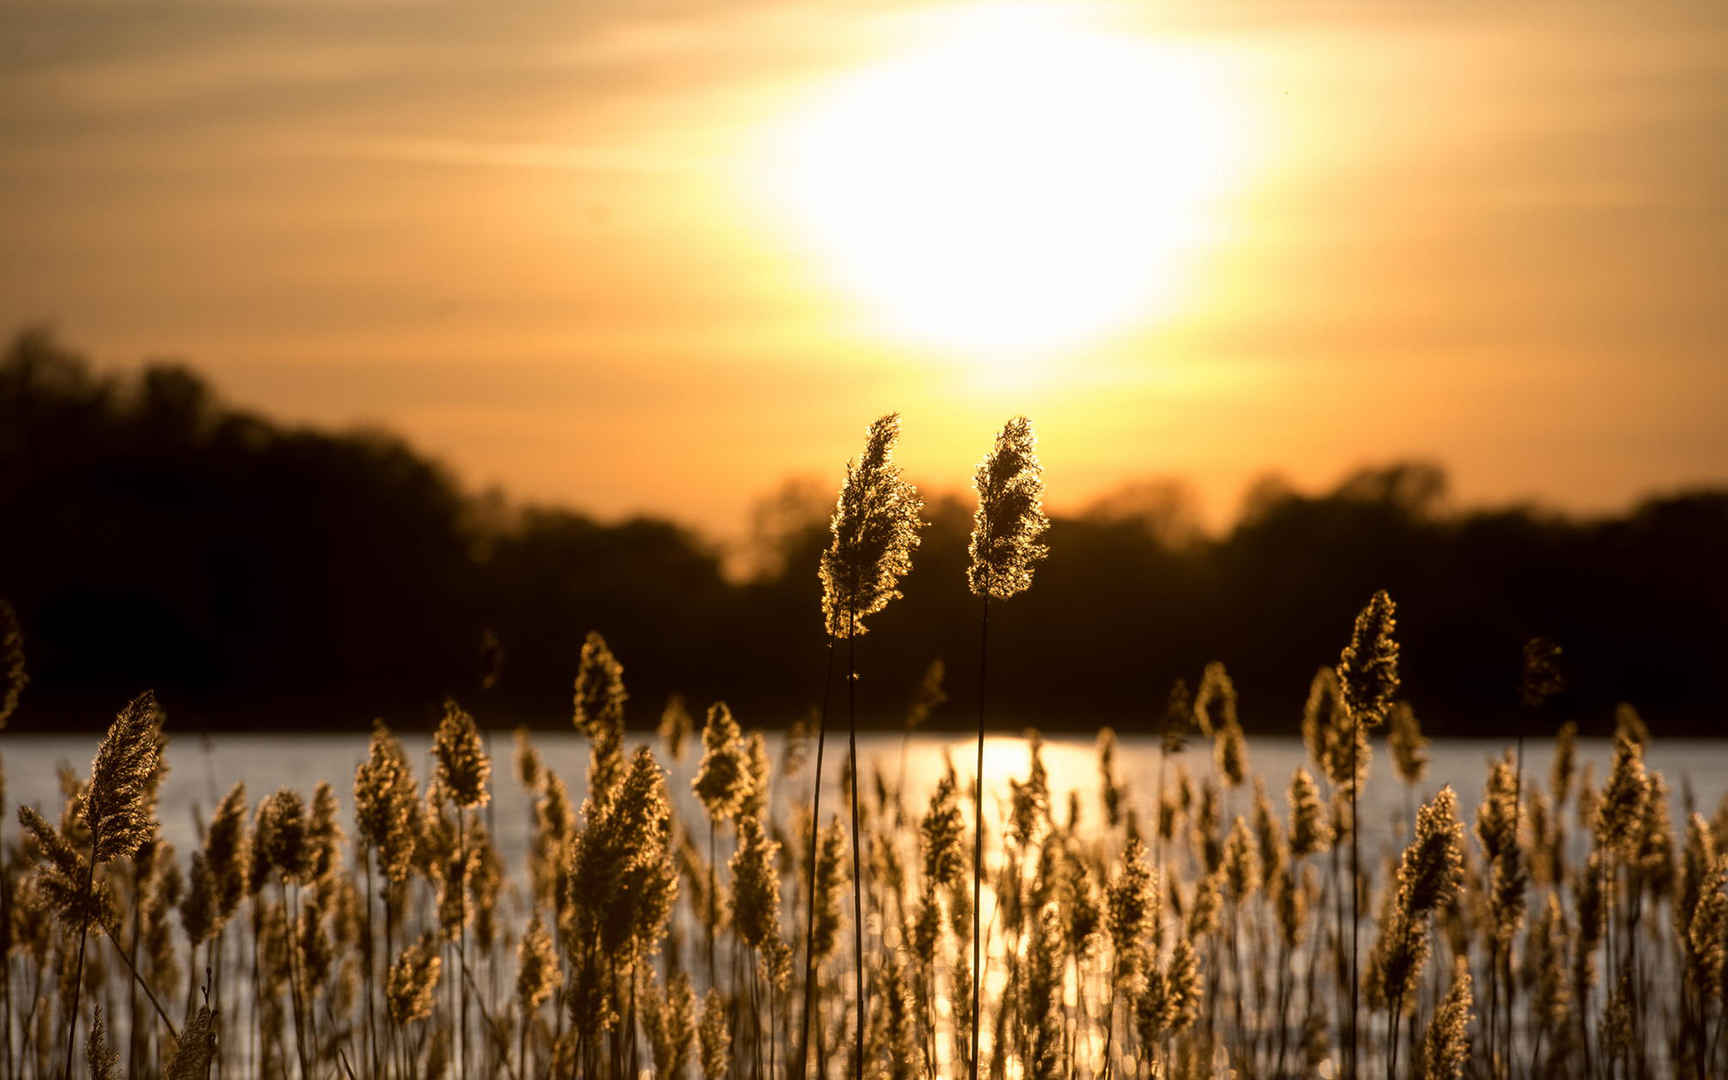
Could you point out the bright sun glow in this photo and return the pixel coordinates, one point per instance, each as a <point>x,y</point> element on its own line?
<point>1026,181</point>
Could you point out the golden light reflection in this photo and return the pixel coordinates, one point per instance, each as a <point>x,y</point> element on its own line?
<point>1026,179</point>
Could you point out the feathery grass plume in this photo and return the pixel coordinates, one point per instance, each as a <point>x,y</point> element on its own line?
<point>1627,722</point>
<point>1310,831</point>
<point>676,727</point>
<point>795,747</point>
<point>1432,867</point>
<point>228,853</point>
<point>386,803</point>
<point>1204,905</point>
<point>280,836</point>
<point>1705,937</point>
<point>1010,520</point>
<point>197,1046</point>
<point>463,765</point>
<point>1547,841</point>
<point>13,677</point>
<point>1290,904</point>
<point>1109,790</point>
<point>722,780</point>
<point>1446,1047</point>
<point>527,759</point>
<point>1241,862</point>
<point>1215,701</point>
<point>1697,863</point>
<point>621,865</point>
<point>1206,823</point>
<point>1029,802</point>
<point>1395,961</point>
<point>116,811</point>
<point>1185,985</point>
<point>537,973</point>
<point>1367,681</point>
<point>830,879</point>
<point>929,695</point>
<point>1565,761</point>
<point>413,980</point>
<point>1368,666</point>
<point>324,835</point>
<point>599,713</point>
<point>1230,750</point>
<point>1497,816</point>
<point>1506,887</point>
<point>123,779</point>
<point>670,1019</point>
<point>1040,1014</point>
<point>1408,746</point>
<point>61,879</point>
<point>894,1044</point>
<point>872,533</point>
<point>1268,833</point>
<point>198,906</point>
<point>1178,719</point>
<point>1545,964</point>
<point>940,833</point>
<point>723,777</point>
<point>1620,807</point>
<point>755,884</point>
<point>714,1038</point>
<point>1323,720</point>
<point>1131,908</point>
<point>1654,859</point>
<point>100,1057</point>
<point>1006,545</point>
<point>754,803</point>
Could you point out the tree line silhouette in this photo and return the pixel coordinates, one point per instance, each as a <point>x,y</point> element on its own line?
<point>151,535</point>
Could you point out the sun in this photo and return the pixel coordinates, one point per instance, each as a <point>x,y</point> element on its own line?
<point>1023,181</point>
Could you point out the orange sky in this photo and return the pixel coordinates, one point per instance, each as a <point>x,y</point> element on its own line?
<point>538,240</point>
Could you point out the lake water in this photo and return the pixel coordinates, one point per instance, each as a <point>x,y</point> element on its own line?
<point>202,769</point>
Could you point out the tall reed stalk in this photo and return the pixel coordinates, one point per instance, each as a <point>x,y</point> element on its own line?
<point>1005,547</point>
<point>872,533</point>
<point>1368,677</point>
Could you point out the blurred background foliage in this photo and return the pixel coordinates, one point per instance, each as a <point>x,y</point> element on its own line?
<point>252,572</point>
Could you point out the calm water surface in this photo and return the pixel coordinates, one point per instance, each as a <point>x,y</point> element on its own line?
<point>202,769</point>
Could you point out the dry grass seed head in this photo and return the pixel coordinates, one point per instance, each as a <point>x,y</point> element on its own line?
<point>1009,524</point>
<point>872,533</point>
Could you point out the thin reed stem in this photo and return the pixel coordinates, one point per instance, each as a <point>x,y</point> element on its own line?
<point>978,835</point>
<point>78,976</point>
<point>857,866</point>
<point>810,989</point>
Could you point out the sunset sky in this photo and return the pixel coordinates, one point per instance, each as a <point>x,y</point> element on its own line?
<point>660,256</point>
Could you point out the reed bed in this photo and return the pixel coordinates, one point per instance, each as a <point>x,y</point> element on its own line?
<point>1203,919</point>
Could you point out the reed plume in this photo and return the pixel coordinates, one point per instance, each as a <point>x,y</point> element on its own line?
<point>599,713</point>
<point>1446,1047</point>
<point>714,1038</point>
<point>413,981</point>
<point>1006,546</point>
<point>1367,679</point>
<point>872,533</point>
<point>676,726</point>
<point>1310,831</point>
<point>464,768</point>
<point>1408,746</point>
<point>721,783</point>
<point>114,810</point>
